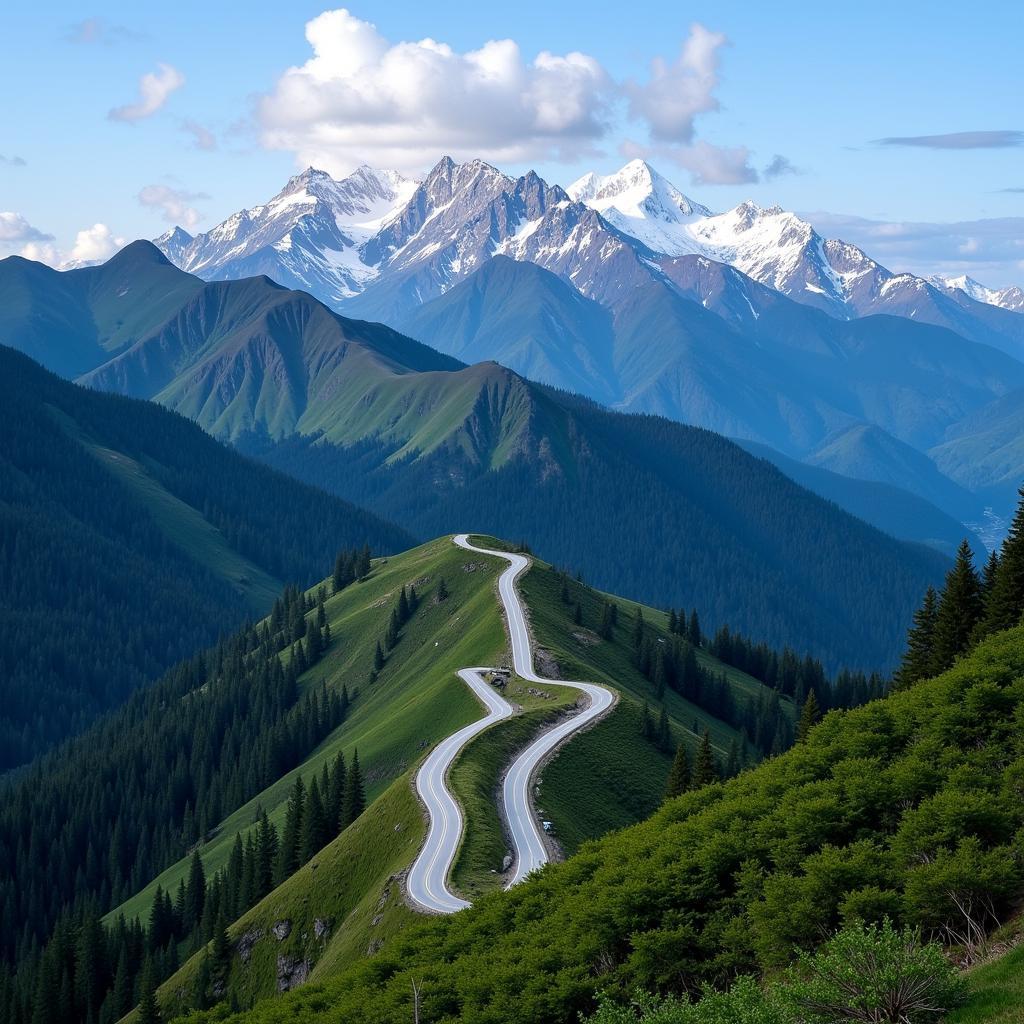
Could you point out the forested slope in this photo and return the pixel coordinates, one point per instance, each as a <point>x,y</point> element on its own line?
<point>128,540</point>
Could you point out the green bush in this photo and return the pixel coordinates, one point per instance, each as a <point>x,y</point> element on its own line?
<point>875,974</point>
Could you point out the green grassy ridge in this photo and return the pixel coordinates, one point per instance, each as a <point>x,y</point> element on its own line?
<point>416,700</point>
<point>474,778</point>
<point>728,879</point>
<point>995,992</point>
<point>379,722</point>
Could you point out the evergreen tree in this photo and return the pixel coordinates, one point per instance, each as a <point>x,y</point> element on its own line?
<point>705,770</point>
<point>664,739</point>
<point>402,612</point>
<point>336,794</point>
<point>195,895</point>
<point>220,958</point>
<point>378,658</point>
<point>607,623</point>
<point>693,633</point>
<point>442,590</point>
<point>809,716</point>
<point>149,1009</point>
<point>679,774</point>
<point>919,659</point>
<point>290,848</point>
<point>314,824</point>
<point>577,615</point>
<point>960,610</point>
<point>638,629</point>
<point>354,800</point>
<point>673,622</point>
<point>646,726</point>
<point>1005,603</point>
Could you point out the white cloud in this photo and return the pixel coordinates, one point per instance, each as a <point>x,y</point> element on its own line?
<point>92,245</point>
<point>676,93</point>
<point>95,244</point>
<point>174,204</point>
<point>707,163</point>
<point>202,137</point>
<point>154,89</point>
<point>15,230</point>
<point>360,97</point>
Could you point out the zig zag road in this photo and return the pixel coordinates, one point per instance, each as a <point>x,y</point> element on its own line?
<point>427,883</point>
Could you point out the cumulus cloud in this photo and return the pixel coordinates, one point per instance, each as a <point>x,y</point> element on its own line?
<point>958,140</point>
<point>990,250</point>
<point>778,167</point>
<point>361,97</point>
<point>12,161</point>
<point>174,204</point>
<point>95,244</point>
<point>154,89</point>
<point>202,137</point>
<point>15,230</point>
<point>707,163</point>
<point>677,92</point>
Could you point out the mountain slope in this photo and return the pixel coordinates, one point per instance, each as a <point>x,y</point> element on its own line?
<point>901,808</point>
<point>393,425</point>
<point>130,539</point>
<point>890,508</point>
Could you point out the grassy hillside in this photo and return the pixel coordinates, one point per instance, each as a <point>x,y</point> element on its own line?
<point>995,992</point>
<point>351,888</point>
<point>906,807</point>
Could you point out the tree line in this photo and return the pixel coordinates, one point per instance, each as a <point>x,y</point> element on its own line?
<point>91,823</point>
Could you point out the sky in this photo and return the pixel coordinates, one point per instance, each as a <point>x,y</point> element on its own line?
<point>899,127</point>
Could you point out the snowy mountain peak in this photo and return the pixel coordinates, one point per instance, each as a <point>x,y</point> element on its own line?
<point>1011,298</point>
<point>636,190</point>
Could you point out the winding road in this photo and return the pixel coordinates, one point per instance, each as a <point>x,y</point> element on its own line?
<point>427,882</point>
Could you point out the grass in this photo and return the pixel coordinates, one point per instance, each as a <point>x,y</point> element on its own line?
<point>474,778</point>
<point>604,779</point>
<point>416,700</point>
<point>996,992</point>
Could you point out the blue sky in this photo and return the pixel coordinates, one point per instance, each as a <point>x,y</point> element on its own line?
<point>817,87</point>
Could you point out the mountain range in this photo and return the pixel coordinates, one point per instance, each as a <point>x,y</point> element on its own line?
<point>625,290</point>
<point>670,513</point>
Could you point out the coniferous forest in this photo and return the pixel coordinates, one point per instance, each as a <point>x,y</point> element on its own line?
<point>96,595</point>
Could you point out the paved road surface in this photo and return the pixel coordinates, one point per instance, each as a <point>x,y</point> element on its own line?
<point>527,842</point>
<point>427,883</point>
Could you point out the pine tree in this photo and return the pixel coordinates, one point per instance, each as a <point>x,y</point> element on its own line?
<point>646,726</point>
<point>1005,604</point>
<point>664,739</point>
<point>378,658</point>
<point>149,1009</point>
<point>705,770</point>
<point>673,622</point>
<point>354,800</point>
<point>288,852</point>
<point>195,895</point>
<point>335,794</point>
<point>577,615</point>
<point>314,824</point>
<point>402,612</point>
<point>679,774</point>
<point>809,716</point>
<point>960,610</point>
<point>220,958</point>
<point>919,659</point>
<point>607,625</point>
<point>693,633</point>
<point>638,629</point>
<point>442,590</point>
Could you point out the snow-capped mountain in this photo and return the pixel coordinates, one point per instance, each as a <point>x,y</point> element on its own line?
<point>1007,298</point>
<point>378,245</point>
<point>308,236</point>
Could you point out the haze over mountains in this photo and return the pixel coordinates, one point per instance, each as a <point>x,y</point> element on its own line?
<point>624,289</point>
